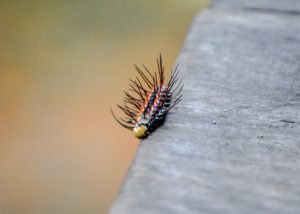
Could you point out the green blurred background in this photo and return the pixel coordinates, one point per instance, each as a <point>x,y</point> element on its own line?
<point>63,64</point>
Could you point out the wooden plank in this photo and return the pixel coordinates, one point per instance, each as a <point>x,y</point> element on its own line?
<point>233,144</point>
<point>274,6</point>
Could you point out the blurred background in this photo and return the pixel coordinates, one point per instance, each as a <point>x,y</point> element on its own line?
<point>63,64</point>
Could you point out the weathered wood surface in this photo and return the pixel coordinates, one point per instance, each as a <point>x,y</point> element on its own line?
<point>266,6</point>
<point>233,143</point>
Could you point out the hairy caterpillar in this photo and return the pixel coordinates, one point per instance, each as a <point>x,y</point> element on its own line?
<point>149,99</point>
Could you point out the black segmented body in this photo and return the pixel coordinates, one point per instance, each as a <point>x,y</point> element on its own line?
<point>146,108</point>
<point>159,112</point>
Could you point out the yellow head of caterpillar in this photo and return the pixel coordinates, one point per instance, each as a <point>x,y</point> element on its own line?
<point>140,131</point>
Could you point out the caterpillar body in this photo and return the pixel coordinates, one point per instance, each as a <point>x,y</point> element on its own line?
<point>148,100</point>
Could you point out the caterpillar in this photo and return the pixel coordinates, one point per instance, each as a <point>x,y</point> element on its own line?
<point>148,99</point>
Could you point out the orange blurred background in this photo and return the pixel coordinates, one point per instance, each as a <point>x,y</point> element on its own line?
<point>63,64</point>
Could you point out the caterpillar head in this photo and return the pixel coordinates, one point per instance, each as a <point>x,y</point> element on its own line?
<point>140,131</point>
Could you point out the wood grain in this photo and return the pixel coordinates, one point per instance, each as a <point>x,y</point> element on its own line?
<point>233,144</point>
